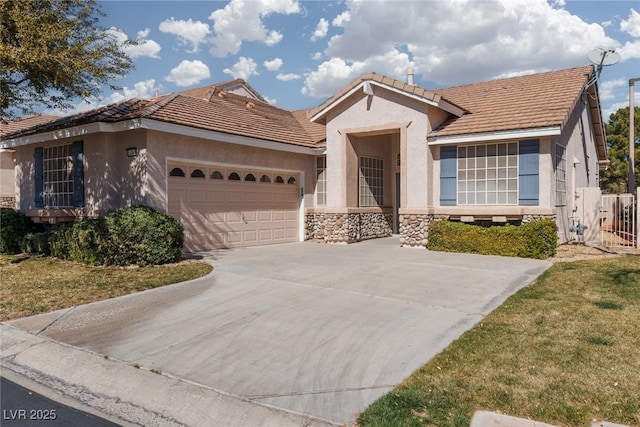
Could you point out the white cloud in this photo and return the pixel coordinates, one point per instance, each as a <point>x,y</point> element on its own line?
<point>143,89</point>
<point>631,26</point>
<point>273,65</point>
<point>316,56</point>
<point>321,30</point>
<point>467,41</point>
<point>273,38</point>
<point>630,50</point>
<point>329,76</point>
<point>145,48</point>
<point>606,88</point>
<point>243,69</point>
<point>342,19</point>
<point>288,77</point>
<point>336,72</point>
<point>241,21</point>
<point>188,73</point>
<point>188,32</point>
<point>143,34</point>
<point>271,101</point>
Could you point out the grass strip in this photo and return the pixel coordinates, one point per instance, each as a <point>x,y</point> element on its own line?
<point>564,350</point>
<point>33,285</point>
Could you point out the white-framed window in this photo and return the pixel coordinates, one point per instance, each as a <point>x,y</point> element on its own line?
<point>560,170</point>
<point>57,176</point>
<point>371,181</point>
<point>488,174</point>
<point>321,180</point>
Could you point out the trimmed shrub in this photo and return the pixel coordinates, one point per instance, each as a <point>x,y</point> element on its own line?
<point>537,239</point>
<point>137,235</point>
<point>14,225</point>
<point>143,236</point>
<point>36,243</point>
<point>82,241</point>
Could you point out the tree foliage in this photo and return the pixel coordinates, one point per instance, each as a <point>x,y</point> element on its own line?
<point>616,177</point>
<point>53,51</point>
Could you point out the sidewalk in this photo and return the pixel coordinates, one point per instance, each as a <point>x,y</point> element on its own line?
<point>134,396</point>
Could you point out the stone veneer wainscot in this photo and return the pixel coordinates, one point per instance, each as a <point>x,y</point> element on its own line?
<point>347,227</point>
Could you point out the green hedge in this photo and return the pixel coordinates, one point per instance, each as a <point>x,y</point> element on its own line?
<point>143,236</point>
<point>138,235</point>
<point>82,241</point>
<point>14,226</point>
<point>36,243</point>
<point>537,239</point>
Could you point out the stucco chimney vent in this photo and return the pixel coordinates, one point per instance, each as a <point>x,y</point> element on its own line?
<point>410,76</point>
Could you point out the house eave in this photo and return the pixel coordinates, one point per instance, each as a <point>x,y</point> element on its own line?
<point>441,103</point>
<point>72,132</point>
<point>494,136</point>
<point>141,123</point>
<point>228,138</point>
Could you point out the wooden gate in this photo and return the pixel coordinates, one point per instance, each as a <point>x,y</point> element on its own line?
<point>618,221</point>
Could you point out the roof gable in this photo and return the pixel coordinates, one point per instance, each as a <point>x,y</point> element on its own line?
<point>364,83</point>
<point>238,87</point>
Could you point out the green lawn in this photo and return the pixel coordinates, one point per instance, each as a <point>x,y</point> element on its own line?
<point>565,351</point>
<point>32,285</point>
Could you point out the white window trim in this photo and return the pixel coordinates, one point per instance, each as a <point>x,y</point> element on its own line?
<point>57,170</point>
<point>321,181</point>
<point>463,185</point>
<point>370,194</point>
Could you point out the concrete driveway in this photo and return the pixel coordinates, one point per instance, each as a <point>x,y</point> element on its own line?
<point>317,330</point>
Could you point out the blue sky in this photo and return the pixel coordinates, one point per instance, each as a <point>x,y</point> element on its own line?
<point>297,53</point>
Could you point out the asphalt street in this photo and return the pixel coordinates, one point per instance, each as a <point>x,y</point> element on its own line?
<point>24,407</point>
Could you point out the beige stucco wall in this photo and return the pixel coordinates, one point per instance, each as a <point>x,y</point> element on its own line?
<point>384,111</point>
<point>164,146</point>
<point>383,147</point>
<point>112,180</point>
<point>7,174</point>
<point>582,170</point>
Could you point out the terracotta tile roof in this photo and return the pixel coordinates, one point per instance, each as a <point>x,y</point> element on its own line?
<point>232,114</point>
<point>525,102</point>
<point>316,131</point>
<point>124,110</point>
<point>24,123</point>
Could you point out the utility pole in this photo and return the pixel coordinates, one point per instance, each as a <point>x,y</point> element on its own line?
<point>632,145</point>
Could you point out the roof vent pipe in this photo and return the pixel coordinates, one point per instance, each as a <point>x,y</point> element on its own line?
<point>410,76</point>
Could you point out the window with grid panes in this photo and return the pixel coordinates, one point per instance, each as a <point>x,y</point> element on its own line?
<point>561,174</point>
<point>488,174</point>
<point>371,179</point>
<point>58,176</point>
<point>321,180</point>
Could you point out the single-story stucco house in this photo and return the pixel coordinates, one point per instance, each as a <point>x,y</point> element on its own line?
<point>380,157</point>
<point>7,170</point>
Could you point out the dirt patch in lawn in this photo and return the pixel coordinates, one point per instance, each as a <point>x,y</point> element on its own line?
<point>575,252</point>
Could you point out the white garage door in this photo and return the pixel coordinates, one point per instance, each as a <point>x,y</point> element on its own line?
<point>224,207</point>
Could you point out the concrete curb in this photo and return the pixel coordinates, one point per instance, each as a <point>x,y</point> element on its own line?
<point>492,419</point>
<point>134,395</point>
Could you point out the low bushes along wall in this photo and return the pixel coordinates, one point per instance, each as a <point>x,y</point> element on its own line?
<point>138,235</point>
<point>537,239</point>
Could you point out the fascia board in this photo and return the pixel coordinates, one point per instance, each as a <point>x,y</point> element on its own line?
<point>228,138</point>
<point>91,128</point>
<point>493,136</point>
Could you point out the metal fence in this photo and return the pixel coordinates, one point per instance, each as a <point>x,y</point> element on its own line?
<point>618,221</point>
